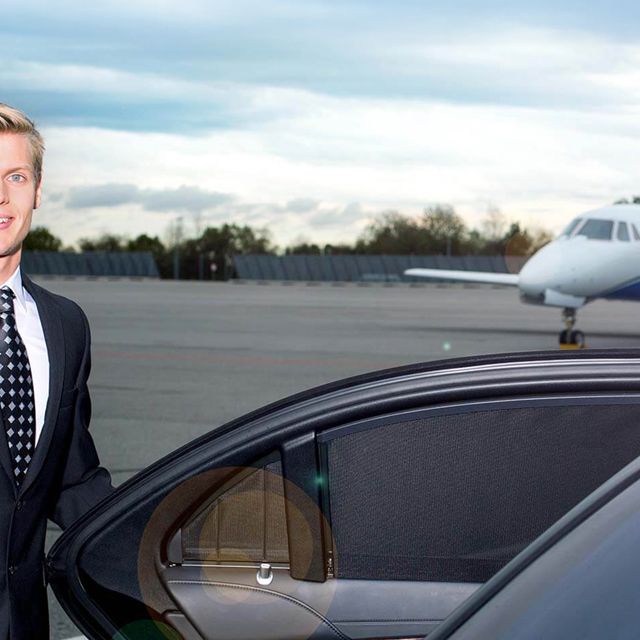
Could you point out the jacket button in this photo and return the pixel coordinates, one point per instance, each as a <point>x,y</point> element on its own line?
<point>19,505</point>
<point>12,569</point>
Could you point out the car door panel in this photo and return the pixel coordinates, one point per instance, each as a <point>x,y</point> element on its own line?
<point>381,502</point>
<point>289,608</point>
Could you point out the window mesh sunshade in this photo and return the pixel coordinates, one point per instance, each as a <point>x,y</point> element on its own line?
<point>453,498</point>
<point>245,524</point>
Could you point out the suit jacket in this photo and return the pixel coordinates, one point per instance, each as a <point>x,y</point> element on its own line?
<point>64,479</point>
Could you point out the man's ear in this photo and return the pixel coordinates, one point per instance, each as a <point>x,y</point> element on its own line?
<point>37,199</point>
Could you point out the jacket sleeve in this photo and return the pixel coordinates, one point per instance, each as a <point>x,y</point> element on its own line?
<point>84,481</point>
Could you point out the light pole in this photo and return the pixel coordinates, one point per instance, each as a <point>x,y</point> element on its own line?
<point>176,248</point>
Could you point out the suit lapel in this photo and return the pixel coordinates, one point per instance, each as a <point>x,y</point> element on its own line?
<point>54,339</point>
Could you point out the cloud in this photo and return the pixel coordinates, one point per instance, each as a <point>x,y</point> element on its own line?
<point>302,205</point>
<point>536,165</point>
<point>533,106</point>
<point>192,199</point>
<point>102,195</point>
<point>334,216</point>
<point>113,98</point>
<point>247,62</point>
<point>537,68</point>
<point>184,198</point>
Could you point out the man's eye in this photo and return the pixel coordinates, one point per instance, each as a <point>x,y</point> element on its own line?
<point>17,178</point>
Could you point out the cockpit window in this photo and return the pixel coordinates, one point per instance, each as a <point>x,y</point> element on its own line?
<point>571,227</point>
<point>623,232</point>
<point>595,229</point>
<point>636,235</point>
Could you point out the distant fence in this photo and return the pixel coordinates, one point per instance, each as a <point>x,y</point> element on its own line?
<point>137,264</point>
<point>361,268</point>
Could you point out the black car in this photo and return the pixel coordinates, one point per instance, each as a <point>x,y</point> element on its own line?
<point>376,506</point>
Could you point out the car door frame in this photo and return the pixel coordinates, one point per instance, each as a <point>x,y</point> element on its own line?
<point>294,422</point>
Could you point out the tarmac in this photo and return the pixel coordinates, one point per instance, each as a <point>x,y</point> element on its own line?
<point>173,360</point>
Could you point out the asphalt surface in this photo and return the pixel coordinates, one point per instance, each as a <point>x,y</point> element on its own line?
<point>172,361</point>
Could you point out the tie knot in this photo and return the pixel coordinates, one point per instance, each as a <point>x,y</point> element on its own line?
<point>6,299</point>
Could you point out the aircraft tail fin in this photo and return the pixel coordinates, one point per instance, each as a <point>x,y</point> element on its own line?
<point>487,277</point>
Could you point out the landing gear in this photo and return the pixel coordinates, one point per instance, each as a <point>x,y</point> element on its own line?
<point>570,338</point>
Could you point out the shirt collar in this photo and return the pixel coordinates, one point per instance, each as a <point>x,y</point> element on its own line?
<point>15,282</point>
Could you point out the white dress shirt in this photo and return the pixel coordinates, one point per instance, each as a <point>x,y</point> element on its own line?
<point>30,330</point>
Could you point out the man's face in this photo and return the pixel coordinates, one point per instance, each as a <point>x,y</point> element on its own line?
<point>19,193</point>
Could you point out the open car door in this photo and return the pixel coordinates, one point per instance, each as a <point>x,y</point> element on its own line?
<point>369,508</point>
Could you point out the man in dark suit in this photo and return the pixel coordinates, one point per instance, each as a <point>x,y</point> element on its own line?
<point>49,467</point>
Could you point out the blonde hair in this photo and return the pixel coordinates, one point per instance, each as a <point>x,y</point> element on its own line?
<point>14,121</point>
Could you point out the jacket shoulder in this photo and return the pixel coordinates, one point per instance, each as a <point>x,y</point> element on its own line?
<point>70,311</point>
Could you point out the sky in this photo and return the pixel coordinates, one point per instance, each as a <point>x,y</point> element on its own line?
<point>312,117</point>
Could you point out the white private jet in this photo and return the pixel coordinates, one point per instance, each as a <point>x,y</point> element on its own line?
<point>596,256</point>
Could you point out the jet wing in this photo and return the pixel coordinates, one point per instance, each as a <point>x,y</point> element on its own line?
<point>510,279</point>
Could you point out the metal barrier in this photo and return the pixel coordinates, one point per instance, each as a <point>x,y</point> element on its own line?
<point>136,264</point>
<point>361,268</point>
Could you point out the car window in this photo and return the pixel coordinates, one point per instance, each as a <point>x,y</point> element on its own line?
<point>586,586</point>
<point>245,523</point>
<point>449,498</point>
<point>596,229</point>
<point>455,497</point>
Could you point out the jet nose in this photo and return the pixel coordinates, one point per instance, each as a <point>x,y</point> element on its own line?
<point>541,271</point>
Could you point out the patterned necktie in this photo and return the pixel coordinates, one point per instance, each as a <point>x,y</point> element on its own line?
<point>16,389</point>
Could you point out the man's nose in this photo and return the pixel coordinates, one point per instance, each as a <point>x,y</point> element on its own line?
<point>4,193</point>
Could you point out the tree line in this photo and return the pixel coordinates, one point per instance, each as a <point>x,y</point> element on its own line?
<point>438,230</point>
